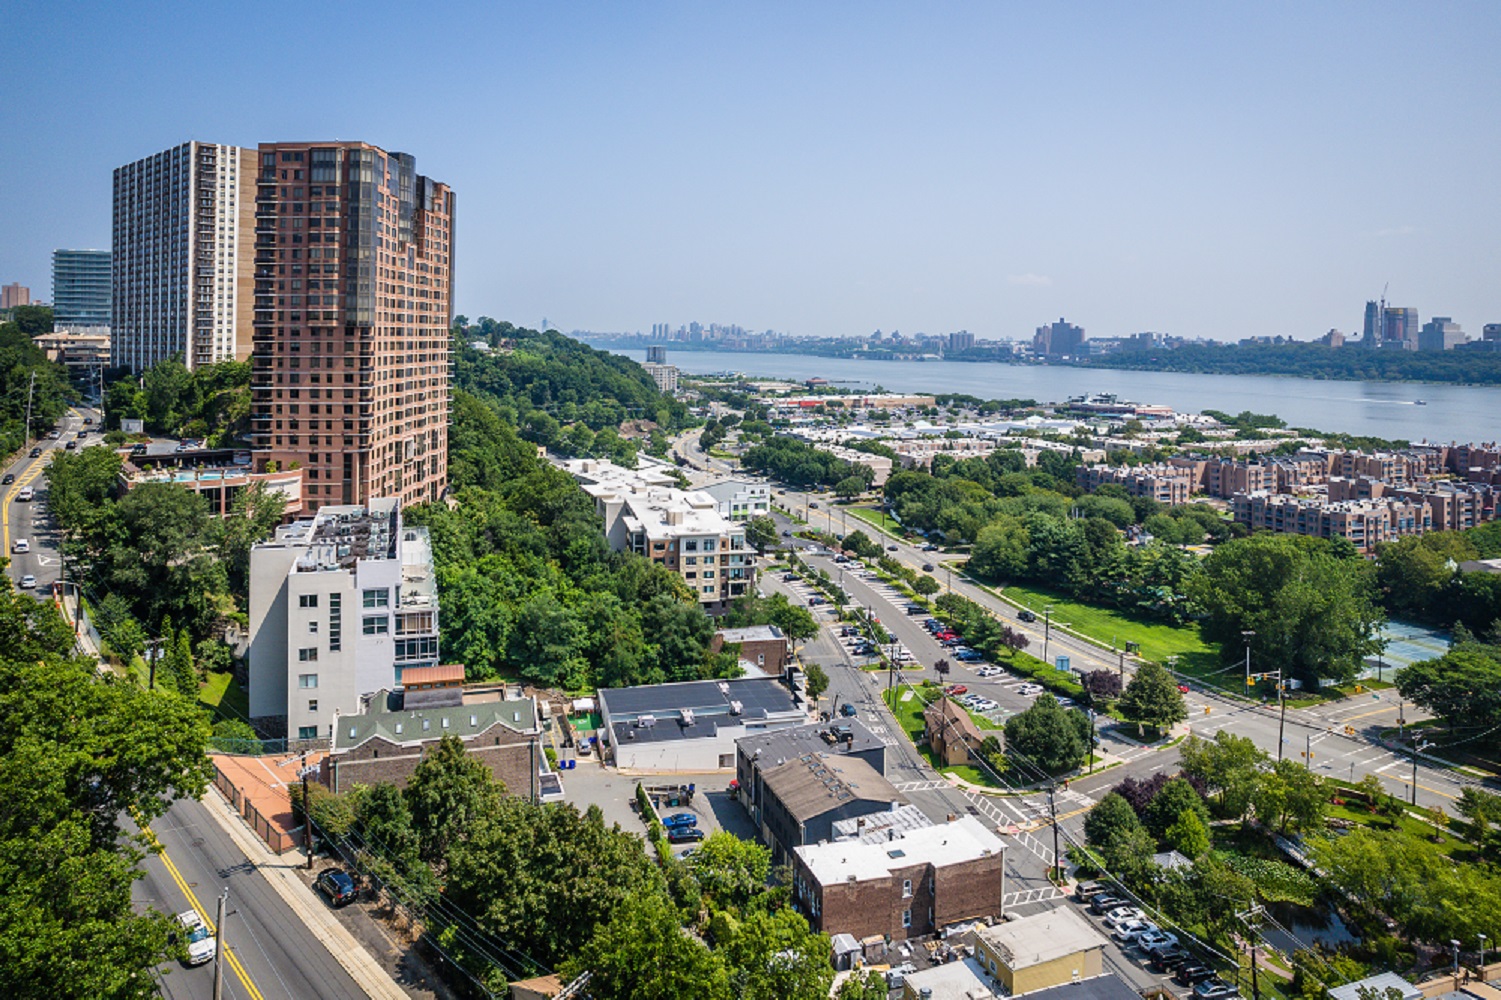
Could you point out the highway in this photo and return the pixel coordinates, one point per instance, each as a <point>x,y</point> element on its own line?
<point>271,954</point>
<point>30,520</point>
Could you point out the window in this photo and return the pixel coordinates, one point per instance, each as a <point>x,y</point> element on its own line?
<point>307,600</point>
<point>312,705</point>
<point>312,627</point>
<point>377,598</point>
<point>376,625</point>
<point>906,889</point>
<point>307,680</point>
<point>335,623</point>
<point>307,732</point>
<point>906,918</point>
<point>308,654</point>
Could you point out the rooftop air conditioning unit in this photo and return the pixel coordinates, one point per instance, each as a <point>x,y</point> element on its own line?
<point>646,721</point>
<point>687,716</point>
<point>736,708</point>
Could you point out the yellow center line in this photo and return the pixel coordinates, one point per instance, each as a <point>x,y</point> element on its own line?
<point>1375,711</point>
<point>208,921</point>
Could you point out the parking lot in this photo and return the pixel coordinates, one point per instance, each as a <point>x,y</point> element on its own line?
<point>712,805</point>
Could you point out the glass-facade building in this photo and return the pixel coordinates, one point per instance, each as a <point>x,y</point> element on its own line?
<point>80,289</point>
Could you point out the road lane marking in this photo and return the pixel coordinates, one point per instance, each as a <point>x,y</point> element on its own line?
<point>208,921</point>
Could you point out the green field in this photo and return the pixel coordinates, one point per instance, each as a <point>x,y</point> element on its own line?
<point>875,519</point>
<point>1157,640</point>
<point>223,697</point>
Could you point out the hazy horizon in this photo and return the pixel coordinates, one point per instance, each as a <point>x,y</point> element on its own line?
<point>831,169</point>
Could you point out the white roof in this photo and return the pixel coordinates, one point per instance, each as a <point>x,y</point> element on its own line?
<point>965,839</point>
<point>1380,982</point>
<point>1044,937</point>
<point>952,979</point>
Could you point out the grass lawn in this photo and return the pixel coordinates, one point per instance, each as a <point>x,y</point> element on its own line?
<point>226,699</point>
<point>1157,640</point>
<point>908,712</point>
<point>875,519</point>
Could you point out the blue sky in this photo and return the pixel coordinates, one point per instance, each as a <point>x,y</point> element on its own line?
<point>831,168</point>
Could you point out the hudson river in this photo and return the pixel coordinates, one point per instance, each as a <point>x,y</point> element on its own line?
<point>1381,409</point>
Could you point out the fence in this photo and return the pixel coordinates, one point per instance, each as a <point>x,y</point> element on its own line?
<point>278,839</point>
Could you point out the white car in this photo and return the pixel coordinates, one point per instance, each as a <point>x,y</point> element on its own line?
<point>28,582</point>
<point>20,545</point>
<point>1029,689</point>
<point>1123,914</point>
<point>984,705</point>
<point>1065,703</point>
<point>1152,940</point>
<point>1127,931</point>
<point>990,671</point>
<point>26,494</point>
<point>201,944</point>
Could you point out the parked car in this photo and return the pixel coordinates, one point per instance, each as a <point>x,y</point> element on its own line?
<point>1183,689</point>
<point>684,835</point>
<point>28,582</point>
<point>848,711</point>
<point>1167,959</point>
<point>1127,931</point>
<point>955,689</point>
<point>1026,615</point>
<point>1029,689</point>
<point>985,705</point>
<point>201,944</point>
<point>337,886</point>
<point>1065,703</point>
<point>990,671</point>
<point>1192,973</point>
<point>1155,939</point>
<point>1106,903</point>
<point>815,601</point>
<point>679,820</point>
<point>1085,891</point>
<point>1123,914</point>
<point>1215,989</point>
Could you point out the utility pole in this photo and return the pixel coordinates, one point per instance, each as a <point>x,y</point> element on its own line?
<point>307,813</point>
<point>1250,918</point>
<point>30,392</point>
<point>1047,630</point>
<point>1417,748</point>
<point>219,947</point>
<point>1053,813</point>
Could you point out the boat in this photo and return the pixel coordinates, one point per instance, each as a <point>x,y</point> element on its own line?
<point>1420,402</point>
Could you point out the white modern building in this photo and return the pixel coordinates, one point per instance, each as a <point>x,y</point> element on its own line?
<point>184,237</point>
<point>340,606</point>
<point>682,530</point>
<point>666,376</point>
<point>740,499</point>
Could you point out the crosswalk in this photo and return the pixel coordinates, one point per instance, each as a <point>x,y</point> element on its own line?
<point>1025,896</point>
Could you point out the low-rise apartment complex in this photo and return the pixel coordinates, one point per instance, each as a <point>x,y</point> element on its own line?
<point>681,530</point>
<point>341,604</point>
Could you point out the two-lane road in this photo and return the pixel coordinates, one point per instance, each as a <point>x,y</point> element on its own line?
<point>31,520</point>
<point>271,954</point>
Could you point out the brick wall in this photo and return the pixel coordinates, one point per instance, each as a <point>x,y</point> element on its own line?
<point>940,896</point>
<point>507,753</point>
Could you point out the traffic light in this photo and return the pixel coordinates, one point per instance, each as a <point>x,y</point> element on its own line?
<point>1207,709</point>
<point>1250,680</point>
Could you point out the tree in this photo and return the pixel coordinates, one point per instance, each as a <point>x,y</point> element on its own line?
<point>1313,613</point>
<point>1169,804</point>
<point>816,681</point>
<point>849,487</point>
<point>774,956</point>
<point>1228,766</point>
<point>644,955</point>
<point>1049,736</point>
<point>176,665</point>
<point>762,533</point>
<point>1188,835</point>
<point>926,586</point>
<point>1102,687</point>
<point>859,543</point>
<point>255,513</point>
<point>1462,687</point>
<point>1113,829</point>
<point>448,793</point>
<point>730,870</point>
<point>1013,640</point>
<point>1290,795</point>
<point>871,986</point>
<point>1152,698</point>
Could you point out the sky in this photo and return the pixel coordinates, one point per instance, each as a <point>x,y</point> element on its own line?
<point>827,168</point>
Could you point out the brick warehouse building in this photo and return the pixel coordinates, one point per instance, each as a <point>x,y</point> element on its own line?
<point>353,304</point>
<point>906,886</point>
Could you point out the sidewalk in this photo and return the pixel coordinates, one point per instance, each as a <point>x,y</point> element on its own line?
<point>281,874</point>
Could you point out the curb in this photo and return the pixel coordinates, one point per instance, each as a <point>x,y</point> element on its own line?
<point>346,950</point>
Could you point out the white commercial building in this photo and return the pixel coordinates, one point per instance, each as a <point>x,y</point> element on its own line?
<point>340,605</point>
<point>184,239</point>
<point>740,499</point>
<point>693,725</point>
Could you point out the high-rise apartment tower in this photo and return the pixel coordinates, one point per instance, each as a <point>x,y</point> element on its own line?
<point>183,228</point>
<point>14,294</point>
<point>353,302</point>
<point>80,289</point>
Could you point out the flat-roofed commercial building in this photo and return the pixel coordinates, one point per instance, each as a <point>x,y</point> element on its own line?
<point>181,268</point>
<point>353,301</point>
<point>694,725</point>
<point>1052,948</point>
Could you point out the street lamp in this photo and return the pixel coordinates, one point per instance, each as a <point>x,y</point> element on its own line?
<point>1047,629</point>
<point>1454,943</point>
<point>1482,956</point>
<point>1417,748</point>
<point>1247,635</point>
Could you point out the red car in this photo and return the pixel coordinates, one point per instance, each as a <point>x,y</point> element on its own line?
<point>955,689</point>
<point>945,636</point>
<point>1183,689</point>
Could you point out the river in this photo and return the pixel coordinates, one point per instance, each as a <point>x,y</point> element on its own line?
<point>1379,409</point>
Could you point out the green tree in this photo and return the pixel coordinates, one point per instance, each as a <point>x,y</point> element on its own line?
<point>1462,687</point>
<point>774,956</point>
<point>1152,698</point>
<point>235,736</point>
<point>849,487</point>
<point>1313,613</point>
<point>816,680</point>
<point>1188,835</point>
<point>859,543</point>
<point>1113,829</point>
<point>1051,737</point>
<point>1228,765</point>
<point>926,586</point>
<point>730,870</point>
<point>1169,804</point>
<point>870,986</point>
<point>255,513</point>
<point>644,955</point>
<point>1290,795</point>
<point>762,533</point>
<point>448,793</point>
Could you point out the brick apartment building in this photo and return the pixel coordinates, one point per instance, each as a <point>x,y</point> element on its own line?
<point>761,646</point>
<point>907,886</point>
<point>1366,523</point>
<point>1163,483</point>
<point>387,738</point>
<point>353,303</point>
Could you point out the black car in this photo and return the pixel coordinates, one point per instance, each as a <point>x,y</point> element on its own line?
<point>1167,959</point>
<point>1106,903</point>
<point>927,567</point>
<point>71,446</point>
<point>7,479</point>
<point>36,453</point>
<point>1026,615</point>
<point>337,886</point>
<point>684,835</point>
<point>892,548</point>
<point>1192,973</point>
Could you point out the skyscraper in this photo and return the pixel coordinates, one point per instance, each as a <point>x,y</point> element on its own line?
<point>1399,328</point>
<point>1440,334</point>
<point>1058,339</point>
<point>14,294</point>
<point>657,355</point>
<point>1371,333</point>
<point>182,236</point>
<point>353,302</point>
<point>80,289</point>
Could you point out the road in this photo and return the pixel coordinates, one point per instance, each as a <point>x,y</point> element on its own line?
<point>271,953</point>
<point>32,520</point>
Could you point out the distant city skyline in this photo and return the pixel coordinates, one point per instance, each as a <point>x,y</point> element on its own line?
<point>1204,171</point>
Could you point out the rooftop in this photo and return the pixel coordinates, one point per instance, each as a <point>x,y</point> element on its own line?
<point>1381,982</point>
<point>817,781</point>
<point>781,745</point>
<point>753,633</point>
<point>340,535</point>
<point>878,828</point>
<point>964,839</point>
<point>763,695</point>
<point>416,725</point>
<point>962,980</point>
<point>1042,938</point>
<point>1106,987</point>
